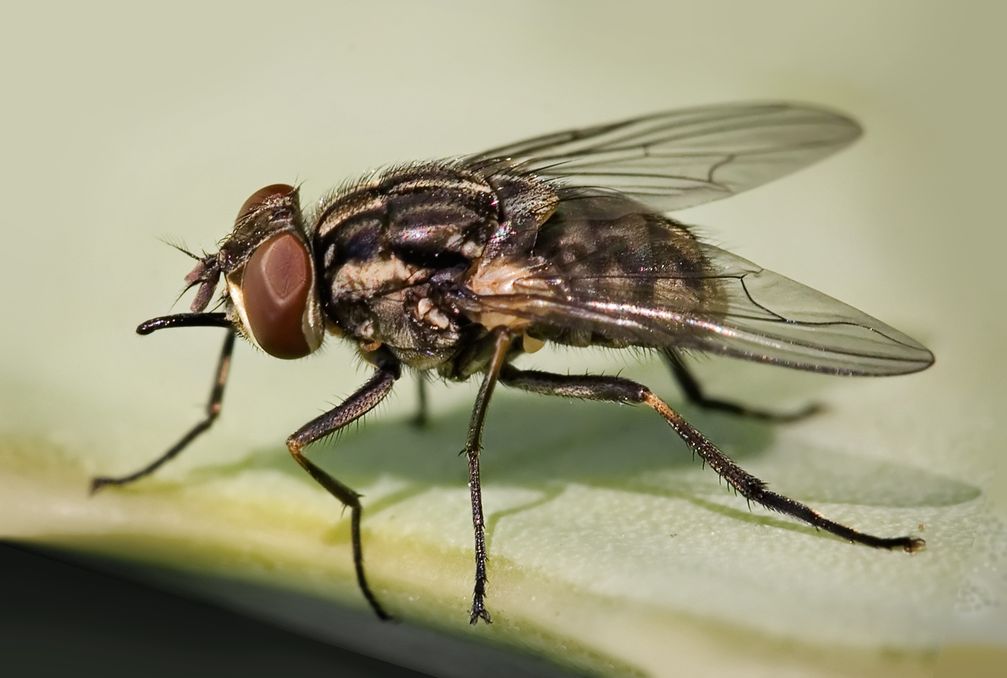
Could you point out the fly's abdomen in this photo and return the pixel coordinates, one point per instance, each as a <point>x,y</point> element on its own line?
<point>609,256</point>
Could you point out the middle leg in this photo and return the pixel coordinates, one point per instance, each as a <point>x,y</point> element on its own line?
<point>422,417</point>
<point>473,444</point>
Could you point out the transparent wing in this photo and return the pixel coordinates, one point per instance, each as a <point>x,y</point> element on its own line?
<point>768,317</point>
<point>647,282</point>
<point>683,158</point>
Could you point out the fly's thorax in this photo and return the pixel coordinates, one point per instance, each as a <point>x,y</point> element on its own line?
<point>373,301</point>
<point>362,279</point>
<point>381,242</point>
<point>501,277</point>
<point>386,246</point>
<point>429,215</point>
<point>418,327</point>
<point>268,268</point>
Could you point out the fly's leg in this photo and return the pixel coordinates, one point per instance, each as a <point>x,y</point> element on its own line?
<point>351,409</point>
<point>615,389</point>
<point>473,444</point>
<point>213,407</point>
<point>421,418</point>
<point>694,394</point>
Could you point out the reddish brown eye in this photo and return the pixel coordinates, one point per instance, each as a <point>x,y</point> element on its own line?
<point>275,288</point>
<point>262,195</point>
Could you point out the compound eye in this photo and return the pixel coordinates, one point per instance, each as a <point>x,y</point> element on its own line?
<point>274,287</point>
<point>262,195</point>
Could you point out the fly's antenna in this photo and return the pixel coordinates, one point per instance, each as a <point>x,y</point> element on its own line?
<point>205,274</point>
<point>182,248</point>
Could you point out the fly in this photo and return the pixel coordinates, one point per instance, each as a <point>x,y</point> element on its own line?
<point>461,266</point>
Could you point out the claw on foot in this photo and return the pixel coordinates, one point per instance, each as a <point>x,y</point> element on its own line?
<point>480,612</point>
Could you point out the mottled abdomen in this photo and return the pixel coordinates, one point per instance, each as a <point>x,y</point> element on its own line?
<point>605,254</point>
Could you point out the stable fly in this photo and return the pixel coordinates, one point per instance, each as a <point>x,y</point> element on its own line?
<point>460,266</point>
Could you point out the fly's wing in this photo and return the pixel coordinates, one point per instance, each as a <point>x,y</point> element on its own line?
<point>767,317</point>
<point>644,280</point>
<point>683,158</point>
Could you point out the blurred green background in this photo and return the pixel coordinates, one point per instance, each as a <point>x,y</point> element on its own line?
<point>612,551</point>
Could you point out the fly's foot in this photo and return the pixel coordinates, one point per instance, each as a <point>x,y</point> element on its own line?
<point>98,482</point>
<point>479,611</point>
<point>419,420</point>
<point>809,410</point>
<point>729,407</point>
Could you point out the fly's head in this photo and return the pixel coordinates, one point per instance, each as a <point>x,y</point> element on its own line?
<point>269,275</point>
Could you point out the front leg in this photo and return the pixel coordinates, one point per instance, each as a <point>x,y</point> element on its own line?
<point>473,444</point>
<point>351,409</point>
<point>213,405</point>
